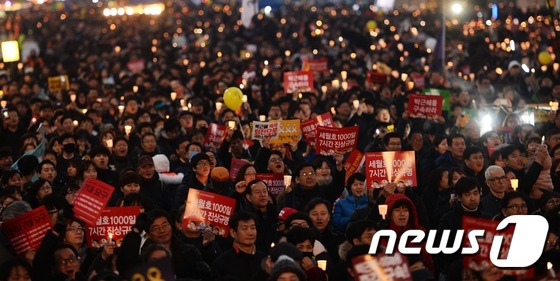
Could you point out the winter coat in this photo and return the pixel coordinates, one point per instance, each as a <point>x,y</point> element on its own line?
<point>344,209</point>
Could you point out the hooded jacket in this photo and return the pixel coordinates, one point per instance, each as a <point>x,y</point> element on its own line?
<point>344,209</point>
<point>392,202</point>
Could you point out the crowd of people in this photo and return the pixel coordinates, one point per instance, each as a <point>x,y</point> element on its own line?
<point>142,92</point>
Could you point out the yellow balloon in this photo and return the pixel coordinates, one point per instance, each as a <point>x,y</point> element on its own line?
<point>371,25</point>
<point>544,58</point>
<point>233,98</point>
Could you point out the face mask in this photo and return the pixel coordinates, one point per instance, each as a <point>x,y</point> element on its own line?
<point>192,154</point>
<point>69,147</point>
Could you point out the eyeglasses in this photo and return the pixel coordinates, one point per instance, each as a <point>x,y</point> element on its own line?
<point>75,229</point>
<point>516,207</point>
<point>305,174</point>
<point>202,164</point>
<point>274,160</point>
<point>45,188</point>
<point>68,261</point>
<point>504,179</point>
<point>551,242</point>
<point>158,228</point>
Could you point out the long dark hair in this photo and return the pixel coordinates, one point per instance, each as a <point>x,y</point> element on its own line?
<point>241,174</point>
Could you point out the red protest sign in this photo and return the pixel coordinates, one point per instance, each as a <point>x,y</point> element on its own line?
<point>318,65</point>
<point>330,140</point>
<point>352,163</point>
<point>301,81</point>
<point>274,182</point>
<point>26,231</point>
<point>376,77</point>
<point>236,165</point>
<point>381,267</point>
<point>390,166</point>
<point>207,210</point>
<point>309,127</point>
<point>215,135</point>
<point>422,106</point>
<point>481,261</point>
<point>91,200</point>
<point>114,223</point>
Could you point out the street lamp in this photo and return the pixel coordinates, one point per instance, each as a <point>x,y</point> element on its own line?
<point>456,8</point>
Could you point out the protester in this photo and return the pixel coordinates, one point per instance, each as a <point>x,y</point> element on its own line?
<point>157,101</point>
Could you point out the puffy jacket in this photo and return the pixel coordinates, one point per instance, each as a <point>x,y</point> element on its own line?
<point>344,209</point>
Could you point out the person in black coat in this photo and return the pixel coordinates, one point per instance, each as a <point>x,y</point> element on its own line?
<point>320,210</point>
<point>204,241</point>
<point>198,179</point>
<point>151,186</point>
<point>468,202</point>
<point>257,196</point>
<point>100,157</point>
<point>243,261</point>
<point>186,259</point>
<point>306,185</point>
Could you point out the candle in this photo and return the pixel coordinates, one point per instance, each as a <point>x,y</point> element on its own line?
<point>335,83</point>
<point>109,143</point>
<point>244,98</point>
<point>356,103</point>
<point>344,85</point>
<point>73,97</point>
<point>542,140</point>
<point>121,109</point>
<point>33,120</point>
<point>553,105</point>
<point>262,118</point>
<point>333,111</point>
<point>75,123</point>
<point>99,100</point>
<point>272,245</point>
<point>110,236</point>
<point>127,129</point>
<point>550,270</point>
<point>84,111</point>
<point>514,183</point>
<point>173,96</point>
<point>218,106</point>
<point>324,89</point>
<point>231,125</point>
<point>287,180</point>
<point>344,75</point>
<point>382,210</point>
<point>135,89</point>
<point>4,103</point>
<point>322,264</point>
<point>189,105</point>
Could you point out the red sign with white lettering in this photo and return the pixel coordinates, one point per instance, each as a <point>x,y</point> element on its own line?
<point>274,182</point>
<point>309,127</point>
<point>352,163</point>
<point>330,140</point>
<point>423,106</point>
<point>91,200</point>
<point>301,81</point>
<point>113,224</point>
<point>215,135</point>
<point>26,231</point>
<point>390,166</point>
<point>208,211</point>
<point>318,65</point>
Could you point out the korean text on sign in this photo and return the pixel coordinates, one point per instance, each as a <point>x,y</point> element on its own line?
<point>422,106</point>
<point>288,131</point>
<point>207,210</point>
<point>301,81</point>
<point>274,182</point>
<point>215,135</point>
<point>26,231</point>
<point>330,140</point>
<point>309,127</point>
<point>390,166</point>
<point>91,200</point>
<point>114,223</point>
